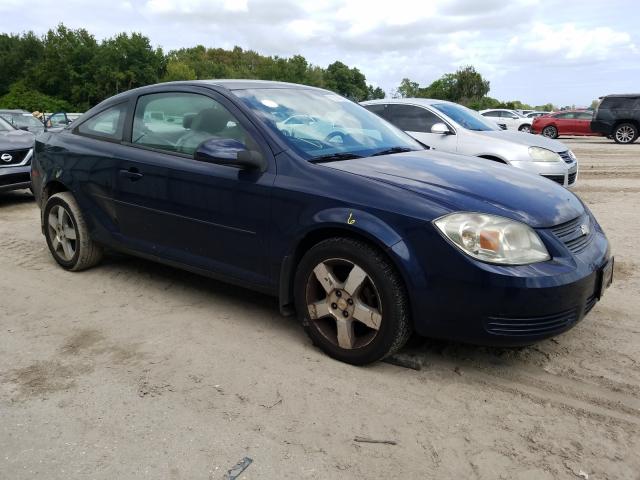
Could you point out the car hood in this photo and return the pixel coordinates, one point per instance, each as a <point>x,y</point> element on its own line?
<point>16,140</point>
<point>462,183</point>
<point>526,139</point>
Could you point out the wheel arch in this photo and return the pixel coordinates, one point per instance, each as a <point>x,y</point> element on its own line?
<point>51,188</point>
<point>366,228</point>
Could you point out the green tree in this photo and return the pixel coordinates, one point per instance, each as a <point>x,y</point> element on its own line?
<point>346,81</point>
<point>21,96</point>
<point>374,93</point>
<point>408,89</point>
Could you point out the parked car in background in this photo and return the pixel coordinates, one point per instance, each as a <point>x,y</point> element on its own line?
<point>59,120</point>
<point>450,127</point>
<point>570,122</point>
<point>23,120</point>
<point>536,114</point>
<point>512,119</point>
<point>618,117</point>
<point>16,150</point>
<point>363,232</point>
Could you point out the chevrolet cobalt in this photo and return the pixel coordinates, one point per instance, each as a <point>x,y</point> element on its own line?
<point>300,193</point>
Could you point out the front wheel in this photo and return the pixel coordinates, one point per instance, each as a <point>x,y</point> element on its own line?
<point>525,128</point>
<point>625,133</point>
<point>550,131</point>
<point>67,234</point>
<point>351,301</point>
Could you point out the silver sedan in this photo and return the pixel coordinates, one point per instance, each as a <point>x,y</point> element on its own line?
<point>450,127</point>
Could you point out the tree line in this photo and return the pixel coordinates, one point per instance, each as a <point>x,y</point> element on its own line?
<point>467,87</point>
<point>70,70</point>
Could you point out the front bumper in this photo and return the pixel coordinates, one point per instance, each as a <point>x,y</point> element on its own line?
<point>458,298</point>
<point>565,174</point>
<point>15,178</point>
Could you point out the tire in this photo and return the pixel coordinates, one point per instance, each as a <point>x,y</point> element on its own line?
<point>67,234</point>
<point>625,133</point>
<point>343,277</point>
<point>550,131</point>
<point>526,128</point>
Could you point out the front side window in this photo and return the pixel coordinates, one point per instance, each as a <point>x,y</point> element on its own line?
<point>179,122</point>
<point>339,127</point>
<point>465,117</point>
<point>491,114</point>
<point>565,116</point>
<point>412,119</point>
<point>108,124</point>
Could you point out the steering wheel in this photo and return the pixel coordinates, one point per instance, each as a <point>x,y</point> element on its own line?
<point>335,134</point>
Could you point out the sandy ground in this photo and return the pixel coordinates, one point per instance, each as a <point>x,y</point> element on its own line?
<point>134,370</point>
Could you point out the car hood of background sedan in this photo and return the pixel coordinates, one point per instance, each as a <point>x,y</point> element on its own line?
<point>462,183</point>
<point>16,140</point>
<point>526,139</point>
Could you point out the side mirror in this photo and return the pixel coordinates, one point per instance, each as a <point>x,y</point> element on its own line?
<point>231,153</point>
<point>440,129</point>
<point>26,129</point>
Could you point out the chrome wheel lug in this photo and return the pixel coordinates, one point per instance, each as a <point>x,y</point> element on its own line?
<point>338,293</point>
<point>334,306</point>
<point>345,313</point>
<point>350,301</point>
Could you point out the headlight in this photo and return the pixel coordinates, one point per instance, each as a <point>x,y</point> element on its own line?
<point>572,155</point>
<point>493,239</point>
<point>538,154</point>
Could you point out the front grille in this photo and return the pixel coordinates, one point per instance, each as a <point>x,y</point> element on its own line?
<point>556,178</point>
<point>14,179</point>
<point>576,234</point>
<point>520,326</point>
<point>566,156</point>
<point>11,158</point>
<point>572,178</point>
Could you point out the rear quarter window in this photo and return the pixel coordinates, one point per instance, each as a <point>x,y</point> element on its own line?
<point>614,103</point>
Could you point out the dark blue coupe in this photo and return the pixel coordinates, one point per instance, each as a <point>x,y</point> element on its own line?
<point>300,193</point>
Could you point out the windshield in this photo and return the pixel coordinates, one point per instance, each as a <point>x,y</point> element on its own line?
<point>318,123</point>
<point>465,117</point>
<point>5,126</point>
<point>27,120</point>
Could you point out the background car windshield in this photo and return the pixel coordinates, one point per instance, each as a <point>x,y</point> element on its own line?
<point>5,126</point>
<point>27,120</point>
<point>317,123</point>
<point>466,117</point>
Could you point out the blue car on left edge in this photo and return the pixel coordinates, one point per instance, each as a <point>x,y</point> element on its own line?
<point>295,191</point>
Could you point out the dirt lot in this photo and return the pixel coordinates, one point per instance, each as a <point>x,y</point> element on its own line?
<point>137,370</point>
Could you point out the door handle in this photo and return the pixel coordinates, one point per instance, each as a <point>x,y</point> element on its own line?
<point>132,174</point>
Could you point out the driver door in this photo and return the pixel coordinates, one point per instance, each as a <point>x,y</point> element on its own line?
<point>196,213</point>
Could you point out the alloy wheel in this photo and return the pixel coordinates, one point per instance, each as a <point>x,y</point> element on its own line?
<point>62,233</point>
<point>625,134</point>
<point>344,303</point>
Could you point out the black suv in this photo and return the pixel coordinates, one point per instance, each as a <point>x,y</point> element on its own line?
<point>618,117</point>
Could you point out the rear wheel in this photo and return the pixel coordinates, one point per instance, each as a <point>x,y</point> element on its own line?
<point>550,131</point>
<point>526,128</point>
<point>625,133</point>
<point>67,234</point>
<point>351,301</point>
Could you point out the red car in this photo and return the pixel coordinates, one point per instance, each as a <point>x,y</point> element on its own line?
<point>569,122</point>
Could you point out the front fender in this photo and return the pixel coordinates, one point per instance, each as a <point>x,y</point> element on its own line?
<point>337,221</point>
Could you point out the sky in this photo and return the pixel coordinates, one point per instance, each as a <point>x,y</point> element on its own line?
<point>566,52</point>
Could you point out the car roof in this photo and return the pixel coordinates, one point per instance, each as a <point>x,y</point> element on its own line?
<point>622,95</point>
<point>407,101</point>
<point>13,110</point>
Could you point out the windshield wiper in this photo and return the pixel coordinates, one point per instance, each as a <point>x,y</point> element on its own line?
<point>335,157</point>
<point>392,150</point>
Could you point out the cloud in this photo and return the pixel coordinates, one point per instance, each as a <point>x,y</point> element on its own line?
<point>517,44</point>
<point>571,43</point>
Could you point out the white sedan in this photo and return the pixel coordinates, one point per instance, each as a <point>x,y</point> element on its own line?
<point>512,119</point>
